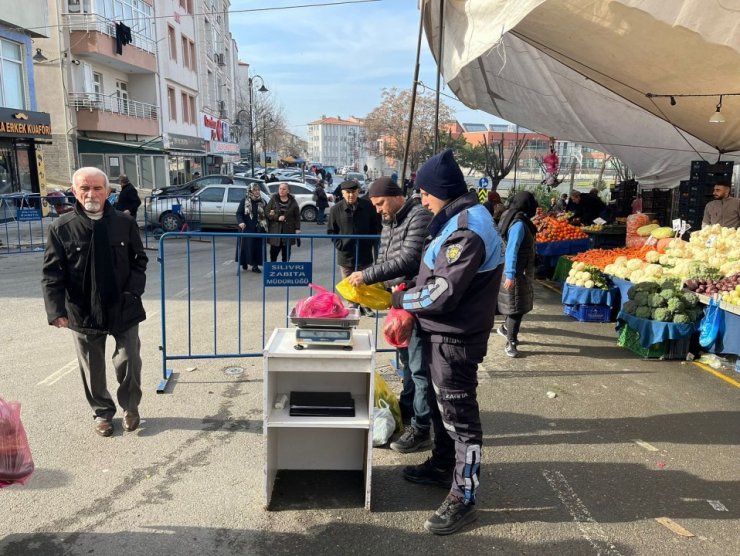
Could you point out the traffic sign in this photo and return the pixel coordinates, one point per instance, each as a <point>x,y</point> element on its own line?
<point>482,195</point>
<point>483,182</point>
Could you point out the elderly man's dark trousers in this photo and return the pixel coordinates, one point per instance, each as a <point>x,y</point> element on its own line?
<point>458,435</point>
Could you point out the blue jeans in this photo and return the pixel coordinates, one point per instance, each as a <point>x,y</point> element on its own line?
<point>415,383</point>
<point>320,216</point>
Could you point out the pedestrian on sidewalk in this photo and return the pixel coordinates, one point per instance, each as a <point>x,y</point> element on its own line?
<point>322,203</point>
<point>516,296</point>
<point>251,217</point>
<point>283,217</point>
<point>128,201</point>
<point>405,225</point>
<point>461,265</point>
<point>354,215</point>
<point>93,277</point>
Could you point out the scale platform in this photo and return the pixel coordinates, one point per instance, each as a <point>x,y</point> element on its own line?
<point>322,331</point>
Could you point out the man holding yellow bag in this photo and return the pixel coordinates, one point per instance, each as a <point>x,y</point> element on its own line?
<point>405,224</point>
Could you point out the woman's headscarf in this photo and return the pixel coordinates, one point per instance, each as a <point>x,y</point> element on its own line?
<point>522,207</point>
<point>255,192</point>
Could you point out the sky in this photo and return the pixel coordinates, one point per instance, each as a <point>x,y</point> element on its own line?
<point>335,60</point>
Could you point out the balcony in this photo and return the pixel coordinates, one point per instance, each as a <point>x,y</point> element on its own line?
<point>96,112</point>
<point>94,36</point>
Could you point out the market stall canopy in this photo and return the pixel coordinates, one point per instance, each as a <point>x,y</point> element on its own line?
<point>581,70</point>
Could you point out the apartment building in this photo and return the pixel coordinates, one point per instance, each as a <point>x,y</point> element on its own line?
<point>217,72</point>
<point>178,61</point>
<point>22,128</point>
<point>338,142</point>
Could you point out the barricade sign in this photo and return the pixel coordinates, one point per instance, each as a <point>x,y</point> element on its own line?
<point>482,195</point>
<point>280,275</point>
<point>27,214</point>
<point>483,183</point>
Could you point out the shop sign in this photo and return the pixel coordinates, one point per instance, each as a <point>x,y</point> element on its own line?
<point>219,147</point>
<point>186,142</point>
<point>213,129</point>
<point>23,123</point>
<point>280,275</point>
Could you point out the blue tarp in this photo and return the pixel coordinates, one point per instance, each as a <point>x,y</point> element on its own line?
<point>653,331</point>
<point>576,295</point>
<point>728,340</point>
<point>552,250</point>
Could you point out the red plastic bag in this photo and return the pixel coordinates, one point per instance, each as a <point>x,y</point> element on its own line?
<point>397,327</point>
<point>16,464</point>
<point>324,304</point>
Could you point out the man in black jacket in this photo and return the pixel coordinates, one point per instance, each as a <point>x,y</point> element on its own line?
<point>93,276</point>
<point>405,224</point>
<point>128,200</point>
<point>353,216</point>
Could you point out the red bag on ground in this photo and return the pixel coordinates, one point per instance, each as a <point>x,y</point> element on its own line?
<point>324,304</point>
<point>16,464</point>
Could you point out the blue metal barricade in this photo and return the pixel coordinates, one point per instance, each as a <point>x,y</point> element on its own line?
<point>25,219</point>
<point>210,311</point>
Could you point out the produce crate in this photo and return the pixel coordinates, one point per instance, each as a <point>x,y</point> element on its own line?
<point>667,349</point>
<point>589,313</point>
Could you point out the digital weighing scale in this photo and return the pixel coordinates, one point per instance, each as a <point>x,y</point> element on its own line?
<point>332,332</point>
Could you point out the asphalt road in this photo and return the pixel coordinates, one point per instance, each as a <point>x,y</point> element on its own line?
<point>625,441</point>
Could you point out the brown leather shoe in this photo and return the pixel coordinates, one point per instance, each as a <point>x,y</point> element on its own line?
<point>131,420</point>
<point>103,427</point>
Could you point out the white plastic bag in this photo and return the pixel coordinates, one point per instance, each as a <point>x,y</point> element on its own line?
<point>383,423</point>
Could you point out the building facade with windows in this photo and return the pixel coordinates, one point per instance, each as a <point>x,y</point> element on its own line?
<point>178,82</point>
<point>103,90</point>
<point>338,142</point>
<point>23,129</point>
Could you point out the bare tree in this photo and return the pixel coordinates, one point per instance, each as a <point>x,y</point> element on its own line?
<point>490,158</point>
<point>388,123</point>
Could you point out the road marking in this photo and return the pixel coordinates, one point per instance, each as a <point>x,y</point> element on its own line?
<point>59,375</point>
<point>642,444</point>
<point>182,292</point>
<point>227,263</point>
<point>590,528</point>
<point>724,377</point>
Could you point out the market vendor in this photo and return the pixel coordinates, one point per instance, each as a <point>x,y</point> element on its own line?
<point>586,207</point>
<point>724,210</point>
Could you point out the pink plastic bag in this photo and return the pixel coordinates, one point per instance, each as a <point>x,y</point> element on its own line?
<point>324,304</point>
<point>397,327</point>
<point>16,464</point>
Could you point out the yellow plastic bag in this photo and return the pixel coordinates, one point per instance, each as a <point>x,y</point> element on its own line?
<point>383,392</point>
<point>374,296</point>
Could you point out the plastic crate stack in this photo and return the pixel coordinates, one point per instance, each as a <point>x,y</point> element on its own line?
<point>622,196</point>
<point>660,203</point>
<point>696,192</point>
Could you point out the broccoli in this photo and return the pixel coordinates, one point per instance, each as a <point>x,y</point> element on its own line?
<point>668,294</point>
<point>662,314</point>
<point>691,299</point>
<point>630,307</point>
<point>694,313</point>
<point>681,318</point>
<point>647,287</point>
<point>676,305</point>
<point>641,298</point>
<point>670,284</point>
<point>631,293</point>
<point>656,300</point>
<point>643,312</point>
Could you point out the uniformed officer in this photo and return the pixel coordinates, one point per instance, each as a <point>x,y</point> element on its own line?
<point>454,300</point>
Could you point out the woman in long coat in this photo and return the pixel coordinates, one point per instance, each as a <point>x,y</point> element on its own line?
<point>251,216</point>
<point>283,218</point>
<point>516,296</point>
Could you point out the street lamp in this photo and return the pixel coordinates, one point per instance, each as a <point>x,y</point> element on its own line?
<point>264,139</point>
<point>262,89</point>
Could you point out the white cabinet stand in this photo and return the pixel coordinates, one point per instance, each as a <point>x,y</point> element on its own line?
<point>318,443</point>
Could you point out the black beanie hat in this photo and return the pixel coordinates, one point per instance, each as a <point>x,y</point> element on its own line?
<point>441,177</point>
<point>384,187</point>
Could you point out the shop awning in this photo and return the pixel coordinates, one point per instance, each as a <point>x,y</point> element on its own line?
<point>582,71</point>
<point>88,145</point>
<point>292,160</point>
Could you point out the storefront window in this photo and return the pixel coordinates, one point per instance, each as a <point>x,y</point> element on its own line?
<point>94,160</point>
<point>130,169</point>
<point>114,167</point>
<point>12,88</point>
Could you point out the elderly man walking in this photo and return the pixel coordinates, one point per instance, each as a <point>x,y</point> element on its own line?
<point>93,277</point>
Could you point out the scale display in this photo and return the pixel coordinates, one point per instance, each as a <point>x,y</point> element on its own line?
<point>325,337</point>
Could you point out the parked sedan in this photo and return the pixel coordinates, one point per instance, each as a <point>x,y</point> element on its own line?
<point>212,206</point>
<point>303,194</point>
<point>187,189</point>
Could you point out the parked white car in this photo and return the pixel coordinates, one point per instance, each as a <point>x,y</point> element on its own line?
<point>212,206</point>
<point>303,194</point>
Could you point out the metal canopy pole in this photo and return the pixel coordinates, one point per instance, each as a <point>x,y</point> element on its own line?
<point>414,85</point>
<point>439,74</point>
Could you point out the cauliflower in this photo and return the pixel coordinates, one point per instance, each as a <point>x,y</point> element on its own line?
<point>652,256</point>
<point>662,314</point>
<point>681,318</point>
<point>634,264</point>
<point>676,305</point>
<point>656,301</point>
<point>643,312</point>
